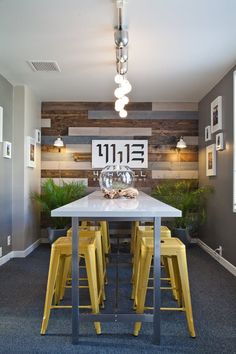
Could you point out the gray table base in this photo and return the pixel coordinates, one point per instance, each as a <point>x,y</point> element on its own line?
<point>77,317</point>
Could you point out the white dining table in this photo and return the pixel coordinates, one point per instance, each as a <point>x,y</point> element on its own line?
<point>95,207</point>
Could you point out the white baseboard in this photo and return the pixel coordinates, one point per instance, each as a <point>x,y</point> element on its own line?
<point>6,258</point>
<point>20,254</point>
<point>226,264</point>
<point>27,251</point>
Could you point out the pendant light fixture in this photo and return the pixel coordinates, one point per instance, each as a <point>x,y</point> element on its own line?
<point>121,41</point>
<point>59,143</point>
<point>181,144</point>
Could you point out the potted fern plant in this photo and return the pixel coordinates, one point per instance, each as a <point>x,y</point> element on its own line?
<point>191,199</point>
<point>53,196</point>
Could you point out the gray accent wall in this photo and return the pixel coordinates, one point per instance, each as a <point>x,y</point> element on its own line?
<point>220,227</point>
<point>6,101</point>
<point>19,216</point>
<point>26,118</point>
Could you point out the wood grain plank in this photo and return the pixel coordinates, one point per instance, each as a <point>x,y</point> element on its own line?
<point>82,156</point>
<point>173,157</point>
<point>49,140</point>
<point>60,124</point>
<point>144,115</point>
<point>172,166</point>
<point>79,106</point>
<point>162,149</point>
<point>65,165</point>
<point>175,106</point>
<point>51,148</point>
<point>46,123</point>
<point>175,174</point>
<point>84,131</point>
<point>167,139</point>
<point>59,156</point>
<point>108,131</point>
<point>65,156</point>
<point>69,148</point>
<point>84,148</point>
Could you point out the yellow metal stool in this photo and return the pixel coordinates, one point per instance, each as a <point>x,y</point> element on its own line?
<point>134,227</point>
<point>134,230</point>
<point>175,249</point>
<point>65,275</point>
<point>143,231</point>
<point>90,227</point>
<point>105,236</point>
<point>61,249</point>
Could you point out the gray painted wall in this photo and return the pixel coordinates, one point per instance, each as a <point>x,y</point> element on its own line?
<point>18,215</point>
<point>6,101</point>
<point>220,228</point>
<point>26,118</point>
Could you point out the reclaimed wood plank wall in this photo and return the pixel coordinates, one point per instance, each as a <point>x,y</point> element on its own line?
<point>81,122</point>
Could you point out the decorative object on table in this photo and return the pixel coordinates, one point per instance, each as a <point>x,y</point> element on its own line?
<point>1,124</point>
<point>191,199</point>
<point>121,41</point>
<point>128,193</point>
<point>117,181</point>
<point>53,196</point>
<point>181,144</point>
<point>216,114</point>
<point>7,149</point>
<point>220,142</point>
<point>211,160</point>
<point>116,177</point>
<point>31,152</point>
<point>132,153</point>
<point>208,133</point>
<point>38,136</point>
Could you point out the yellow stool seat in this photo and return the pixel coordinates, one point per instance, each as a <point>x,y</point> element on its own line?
<point>136,226</point>
<point>60,251</point>
<point>100,240</point>
<point>143,231</point>
<point>175,249</point>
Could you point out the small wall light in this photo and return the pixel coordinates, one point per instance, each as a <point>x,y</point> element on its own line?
<point>59,143</point>
<point>181,144</point>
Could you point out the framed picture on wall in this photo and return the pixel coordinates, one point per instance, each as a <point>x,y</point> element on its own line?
<point>38,136</point>
<point>208,133</point>
<point>216,114</point>
<point>30,151</point>
<point>211,160</point>
<point>219,141</point>
<point>7,149</point>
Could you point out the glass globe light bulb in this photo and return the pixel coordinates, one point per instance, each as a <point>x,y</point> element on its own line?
<point>119,104</point>
<point>126,86</point>
<point>118,79</point>
<point>125,100</point>
<point>118,92</point>
<point>123,113</point>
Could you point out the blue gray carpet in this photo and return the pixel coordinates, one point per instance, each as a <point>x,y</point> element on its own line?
<point>22,291</point>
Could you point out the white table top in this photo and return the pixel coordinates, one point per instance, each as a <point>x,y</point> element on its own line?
<point>95,205</point>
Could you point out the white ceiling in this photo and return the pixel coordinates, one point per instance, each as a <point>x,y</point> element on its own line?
<point>178,49</point>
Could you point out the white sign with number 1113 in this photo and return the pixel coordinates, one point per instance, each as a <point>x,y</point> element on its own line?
<point>132,153</point>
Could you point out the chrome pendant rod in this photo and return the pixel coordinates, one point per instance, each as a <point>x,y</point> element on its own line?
<point>120,18</point>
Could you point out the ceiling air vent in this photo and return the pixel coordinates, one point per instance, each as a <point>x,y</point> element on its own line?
<point>43,65</point>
